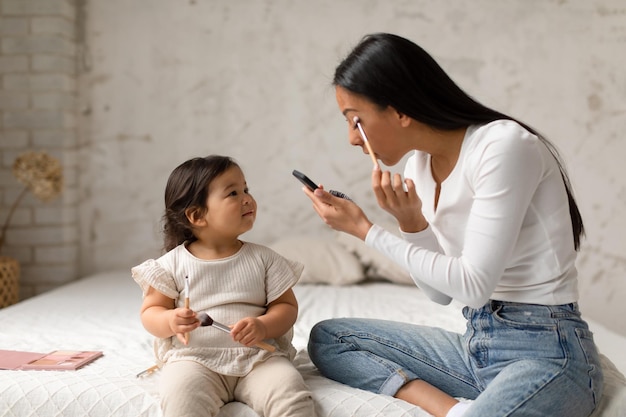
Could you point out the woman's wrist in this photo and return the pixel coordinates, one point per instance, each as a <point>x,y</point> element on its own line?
<point>413,226</point>
<point>363,229</point>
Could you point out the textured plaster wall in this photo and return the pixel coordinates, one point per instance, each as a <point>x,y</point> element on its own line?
<point>163,81</point>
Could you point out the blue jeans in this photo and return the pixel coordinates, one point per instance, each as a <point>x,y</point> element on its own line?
<point>513,360</point>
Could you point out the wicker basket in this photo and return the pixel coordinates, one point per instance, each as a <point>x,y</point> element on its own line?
<point>9,281</point>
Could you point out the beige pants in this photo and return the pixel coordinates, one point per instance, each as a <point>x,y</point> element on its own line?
<point>273,388</point>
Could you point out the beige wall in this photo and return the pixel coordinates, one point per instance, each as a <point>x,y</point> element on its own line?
<point>161,81</point>
<point>38,96</point>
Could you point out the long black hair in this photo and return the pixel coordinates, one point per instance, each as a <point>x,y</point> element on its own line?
<point>188,188</point>
<point>390,70</point>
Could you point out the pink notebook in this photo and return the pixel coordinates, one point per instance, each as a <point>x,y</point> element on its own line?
<point>58,360</point>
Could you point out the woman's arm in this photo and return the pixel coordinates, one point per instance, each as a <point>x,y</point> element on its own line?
<point>500,179</point>
<point>503,176</point>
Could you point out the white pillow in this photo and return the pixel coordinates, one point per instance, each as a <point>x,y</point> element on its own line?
<point>325,261</point>
<point>376,264</point>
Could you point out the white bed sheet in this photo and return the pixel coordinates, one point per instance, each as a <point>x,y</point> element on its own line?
<point>101,313</point>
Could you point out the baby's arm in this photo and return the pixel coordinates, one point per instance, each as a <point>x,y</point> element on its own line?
<point>280,316</point>
<point>160,317</point>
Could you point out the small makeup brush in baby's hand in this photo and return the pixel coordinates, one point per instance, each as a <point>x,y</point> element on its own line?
<point>186,304</point>
<point>206,320</point>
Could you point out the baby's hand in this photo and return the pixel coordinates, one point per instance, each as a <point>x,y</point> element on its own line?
<point>249,331</point>
<point>183,320</point>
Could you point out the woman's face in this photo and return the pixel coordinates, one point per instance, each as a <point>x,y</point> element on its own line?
<point>383,127</point>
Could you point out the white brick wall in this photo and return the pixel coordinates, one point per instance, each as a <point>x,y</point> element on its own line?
<point>38,91</point>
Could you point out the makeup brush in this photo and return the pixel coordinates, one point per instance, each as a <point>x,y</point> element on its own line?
<point>206,320</point>
<point>187,303</point>
<point>357,121</point>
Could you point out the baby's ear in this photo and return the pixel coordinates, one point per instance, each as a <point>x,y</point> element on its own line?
<point>195,216</point>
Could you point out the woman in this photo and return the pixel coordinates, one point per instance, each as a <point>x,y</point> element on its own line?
<point>487,217</point>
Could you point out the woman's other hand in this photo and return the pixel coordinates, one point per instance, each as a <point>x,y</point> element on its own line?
<point>405,206</point>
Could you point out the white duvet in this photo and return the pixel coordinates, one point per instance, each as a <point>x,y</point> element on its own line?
<point>102,313</point>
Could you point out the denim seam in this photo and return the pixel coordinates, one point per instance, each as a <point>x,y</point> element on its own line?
<point>532,393</point>
<point>580,334</point>
<point>420,358</point>
<point>566,356</point>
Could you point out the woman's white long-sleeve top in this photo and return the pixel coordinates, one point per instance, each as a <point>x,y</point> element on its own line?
<point>501,229</point>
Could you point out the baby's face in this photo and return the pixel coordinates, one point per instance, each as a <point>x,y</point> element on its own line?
<point>231,209</point>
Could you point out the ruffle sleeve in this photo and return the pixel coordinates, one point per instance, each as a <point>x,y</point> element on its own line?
<point>282,274</point>
<point>152,274</point>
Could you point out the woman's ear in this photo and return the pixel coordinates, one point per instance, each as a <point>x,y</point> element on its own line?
<point>403,119</point>
<point>398,117</point>
<point>195,217</point>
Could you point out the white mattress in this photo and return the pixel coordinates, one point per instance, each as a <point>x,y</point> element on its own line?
<point>102,313</point>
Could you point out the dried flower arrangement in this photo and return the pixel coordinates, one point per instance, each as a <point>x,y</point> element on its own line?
<point>41,174</point>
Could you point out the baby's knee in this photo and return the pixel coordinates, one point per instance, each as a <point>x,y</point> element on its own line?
<point>293,398</point>
<point>283,394</point>
<point>185,390</point>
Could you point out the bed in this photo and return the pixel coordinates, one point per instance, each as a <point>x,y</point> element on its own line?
<point>100,312</point>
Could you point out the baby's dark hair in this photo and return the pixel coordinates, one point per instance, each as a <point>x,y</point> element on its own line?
<point>188,188</point>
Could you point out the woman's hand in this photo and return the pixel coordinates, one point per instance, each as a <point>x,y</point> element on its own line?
<point>405,206</point>
<point>340,214</point>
